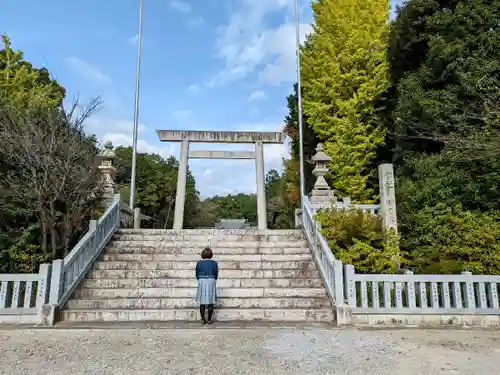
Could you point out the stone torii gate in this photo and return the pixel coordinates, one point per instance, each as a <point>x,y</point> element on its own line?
<point>186,137</point>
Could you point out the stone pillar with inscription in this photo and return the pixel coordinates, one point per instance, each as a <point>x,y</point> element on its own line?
<point>108,172</point>
<point>321,194</point>
<point>387,196</point>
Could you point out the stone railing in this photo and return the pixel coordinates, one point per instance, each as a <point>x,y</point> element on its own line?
<point>401,299</point>
<point>346,204</point>
<point>407,293</point>
<point>22,296</point>
<point>69,272</point>
<point>329,267</point>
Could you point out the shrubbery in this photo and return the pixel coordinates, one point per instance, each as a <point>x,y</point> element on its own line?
<point>445,239</point>
<point>359,239</point>
<point>448,210</point>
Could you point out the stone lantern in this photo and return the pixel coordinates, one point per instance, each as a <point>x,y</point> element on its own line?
<point>321,192</point>
<point>108,171</point>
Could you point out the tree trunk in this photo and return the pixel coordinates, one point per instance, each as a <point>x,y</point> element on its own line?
<point>68,229</point>
<point>53,232</point>
<point>43,224</point>
<point>168,214</point>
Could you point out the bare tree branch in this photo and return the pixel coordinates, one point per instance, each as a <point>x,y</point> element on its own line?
<point>54,168</point>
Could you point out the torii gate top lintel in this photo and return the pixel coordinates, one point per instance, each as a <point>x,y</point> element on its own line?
<point>198,136</point>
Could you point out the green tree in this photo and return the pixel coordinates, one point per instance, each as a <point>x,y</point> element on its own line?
<point>48,166</point>
<point>281,207</point>
<point>310,140</point>
<point>280,211</point>
<point>444,113</point>
<point>344,69</point>
<point>22,84</point>
<point>448,209</point>
<point>156,186</point>
<point>236,206</point>
<point>445,70</point>
<point>207,214</point>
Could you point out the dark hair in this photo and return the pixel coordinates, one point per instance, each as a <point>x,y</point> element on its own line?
<point>207,253</point>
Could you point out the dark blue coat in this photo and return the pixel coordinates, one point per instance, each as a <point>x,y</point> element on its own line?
<point>207,268</point>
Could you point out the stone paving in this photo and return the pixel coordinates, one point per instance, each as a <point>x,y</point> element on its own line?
<point>260,350</point>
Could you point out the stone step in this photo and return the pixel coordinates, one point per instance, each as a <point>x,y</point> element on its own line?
<point>196,257</point>
<point>191,293</point>
<point>205,235</point>
<point>214,245</point>
<point>205,238</point>
<point>133,248</point>
<point>189,274</point>
<point>176,265</point>
<point>211,231</point>
<point>237,314</point>
<point>192,283</point>
<point>182,303</point>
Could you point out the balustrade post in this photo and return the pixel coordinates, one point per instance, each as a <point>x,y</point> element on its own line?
<point>350,284</point>
<point>346,203</point>
<point>50,310</point>
<point>93,225</point>
<point>470,300</point>
<point>342,311</point>
<point>43,308</point>
<point>338,271</point>
<point>137,218</point>
<point>298,217</point>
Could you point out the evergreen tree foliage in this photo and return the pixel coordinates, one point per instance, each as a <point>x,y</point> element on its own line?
<point>344,69</point>
<point>445,67</point>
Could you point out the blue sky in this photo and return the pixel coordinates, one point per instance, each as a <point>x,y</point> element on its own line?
<point>206,65</point>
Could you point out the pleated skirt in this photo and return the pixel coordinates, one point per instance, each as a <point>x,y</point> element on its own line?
<point>206,294</point>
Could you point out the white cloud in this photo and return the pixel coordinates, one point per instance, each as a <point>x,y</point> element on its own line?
<point>100,124</point>
<point>121,139</point>
<point>257,95</point>
<point>247,45</point>
<point>281,43</point>
<point>181,6</point>
<point>120,133</point>
<point>87,70</point>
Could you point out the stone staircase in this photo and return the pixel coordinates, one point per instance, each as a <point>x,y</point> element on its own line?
<point>148,275</point>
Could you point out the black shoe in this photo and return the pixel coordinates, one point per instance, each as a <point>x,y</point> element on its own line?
<point>204,322</point>
<point>210,322</point>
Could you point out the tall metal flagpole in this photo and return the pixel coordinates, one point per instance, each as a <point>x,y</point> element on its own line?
<point>136,109</point>
<point>299,103</point>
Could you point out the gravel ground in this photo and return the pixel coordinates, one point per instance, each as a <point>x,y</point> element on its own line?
<point>249,351</point>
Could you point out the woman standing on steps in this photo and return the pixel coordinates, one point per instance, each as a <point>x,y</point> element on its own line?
<point>207,273</point>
